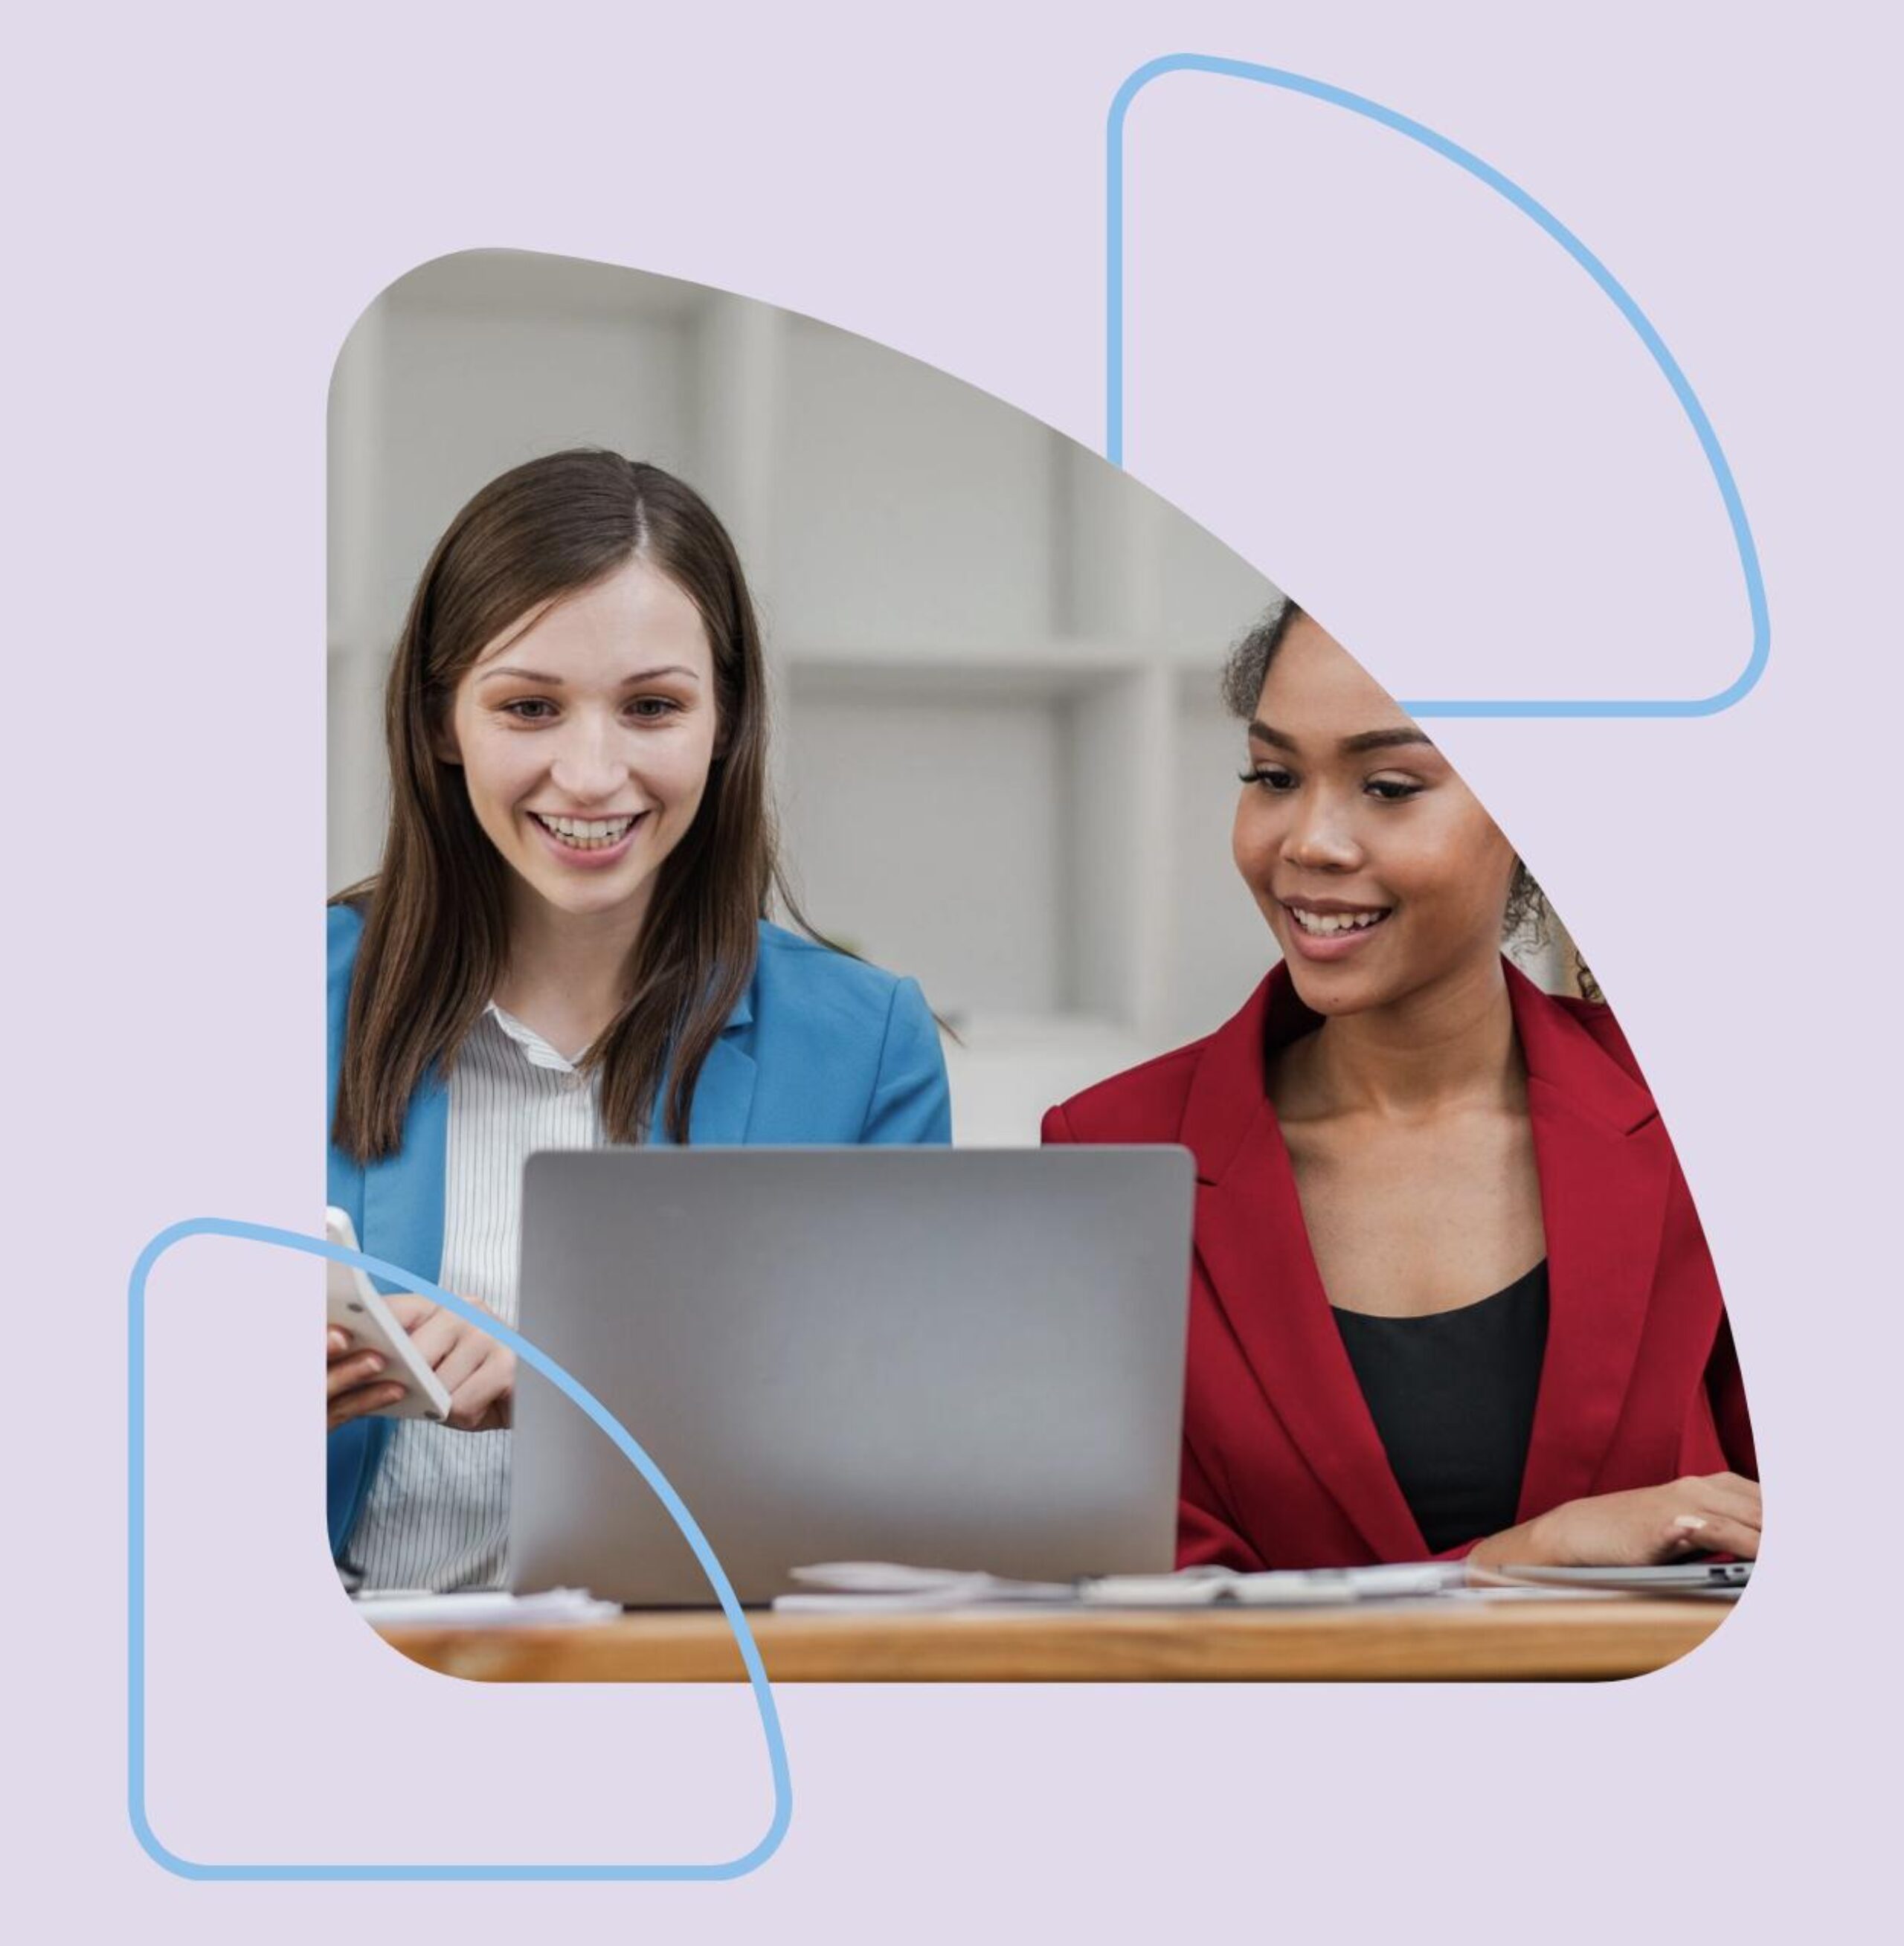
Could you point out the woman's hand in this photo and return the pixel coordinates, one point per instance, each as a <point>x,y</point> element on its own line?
<point>1717,1513</point>
<point>354,1385</point>
<point>478,1374</point>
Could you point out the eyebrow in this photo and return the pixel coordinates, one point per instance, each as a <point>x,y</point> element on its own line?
<point>556,682</point>
<point>1398,738</point>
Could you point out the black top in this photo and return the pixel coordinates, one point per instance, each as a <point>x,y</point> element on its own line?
<point>1452,1396</point>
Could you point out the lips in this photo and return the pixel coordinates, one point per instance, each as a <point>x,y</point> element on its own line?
<point>1325,925</point>
<point>589,842</point>
<point>1325,929</point>
<point>586,833</point>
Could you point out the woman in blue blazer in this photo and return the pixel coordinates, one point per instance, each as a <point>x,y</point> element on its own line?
<point>566,942</point>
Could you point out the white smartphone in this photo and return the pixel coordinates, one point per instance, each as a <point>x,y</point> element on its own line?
<point>354,1304</point>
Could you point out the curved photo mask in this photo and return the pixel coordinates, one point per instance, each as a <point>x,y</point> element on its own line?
<point>1118,848</point>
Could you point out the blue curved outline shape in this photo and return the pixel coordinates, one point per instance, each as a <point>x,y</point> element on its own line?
<point>293,1239</point>
<point>1416,132</point>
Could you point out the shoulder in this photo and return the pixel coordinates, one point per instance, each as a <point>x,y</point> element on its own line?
<point>845,1052</point>
<point>1143,1104</point>
<point>1586,1029</point>
<point>825,1015</point>
<point>794,972</point>
<point>1596,1019</point>
<point>1576,1047</point>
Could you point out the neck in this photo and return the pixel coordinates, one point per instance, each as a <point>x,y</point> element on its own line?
<point>568,972</point>
<point>1446,1045</point>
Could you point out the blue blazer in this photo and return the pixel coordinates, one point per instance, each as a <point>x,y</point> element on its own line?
<point>820,1048</point>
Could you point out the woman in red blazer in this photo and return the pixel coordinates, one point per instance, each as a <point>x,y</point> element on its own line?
<point>1449,1292</point>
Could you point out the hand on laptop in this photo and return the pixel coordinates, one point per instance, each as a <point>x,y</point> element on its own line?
<point>1717,1513</point>
<point>478,1374</point>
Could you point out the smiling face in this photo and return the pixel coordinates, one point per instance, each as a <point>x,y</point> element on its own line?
<point>1380,874</point>
<point>584,733</point>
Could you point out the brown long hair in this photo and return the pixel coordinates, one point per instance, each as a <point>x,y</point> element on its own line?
<point>436,934</point>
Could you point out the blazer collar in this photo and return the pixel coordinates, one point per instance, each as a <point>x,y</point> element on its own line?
<point>724,1092</point>
<point>1604,1172</point>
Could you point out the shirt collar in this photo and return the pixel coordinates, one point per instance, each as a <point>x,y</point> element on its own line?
<point>542,1054</point>
<point>538,1052</point>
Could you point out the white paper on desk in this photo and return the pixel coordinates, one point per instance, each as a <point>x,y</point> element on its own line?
<point>1277,1588</point>
<point>1480,1594</point>
<point>890,1587</point>
<point>483,1608</point>
<point>874,1587</point>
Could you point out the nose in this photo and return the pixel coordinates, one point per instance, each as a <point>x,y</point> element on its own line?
<point>586,765</point>
<point>1321,835</point>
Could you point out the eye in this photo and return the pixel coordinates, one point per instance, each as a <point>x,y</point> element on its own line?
<point>530,709</point>
<point>1271,777</point>
<point>654,708</point>
<point>1393,790</point>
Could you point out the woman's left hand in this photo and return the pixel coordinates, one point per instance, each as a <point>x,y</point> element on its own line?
<point>1643,1527</point>
<point>478,1374</point>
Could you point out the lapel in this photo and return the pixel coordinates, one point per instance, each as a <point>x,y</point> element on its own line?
<point>1254,1247</point>
<point>1598,1151</point>
<point>1606,1173</point>
<point>717,1117</point>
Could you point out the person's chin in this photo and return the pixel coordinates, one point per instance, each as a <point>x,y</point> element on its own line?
<point>580,896</point>
<point>1331,991</point>
<point>1333,987</point>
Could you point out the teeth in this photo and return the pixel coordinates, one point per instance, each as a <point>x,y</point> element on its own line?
<point>1323,924</point>
<point>586,834</point>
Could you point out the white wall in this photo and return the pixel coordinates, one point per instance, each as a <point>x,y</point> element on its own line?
<point>912,513</point>
<point>921,834</point>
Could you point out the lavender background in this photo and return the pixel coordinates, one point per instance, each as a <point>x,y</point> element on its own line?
<point>216,195</point>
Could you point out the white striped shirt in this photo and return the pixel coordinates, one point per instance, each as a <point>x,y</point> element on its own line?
<point>438,1513</point>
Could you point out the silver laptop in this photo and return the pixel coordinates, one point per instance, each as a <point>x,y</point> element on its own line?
<point>954,1358</point>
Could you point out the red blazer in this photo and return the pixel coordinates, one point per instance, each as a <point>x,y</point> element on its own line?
<point>1282,1465</point>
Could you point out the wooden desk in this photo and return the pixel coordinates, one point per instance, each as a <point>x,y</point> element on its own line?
<point>1531,1640</point>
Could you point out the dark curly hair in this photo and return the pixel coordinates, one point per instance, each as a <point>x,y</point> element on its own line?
<point>1528,915</point>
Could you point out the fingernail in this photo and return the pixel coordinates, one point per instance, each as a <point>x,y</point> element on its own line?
<point>1688,1521</point>
<point>373,1364</point>
<point>338,1342</point>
